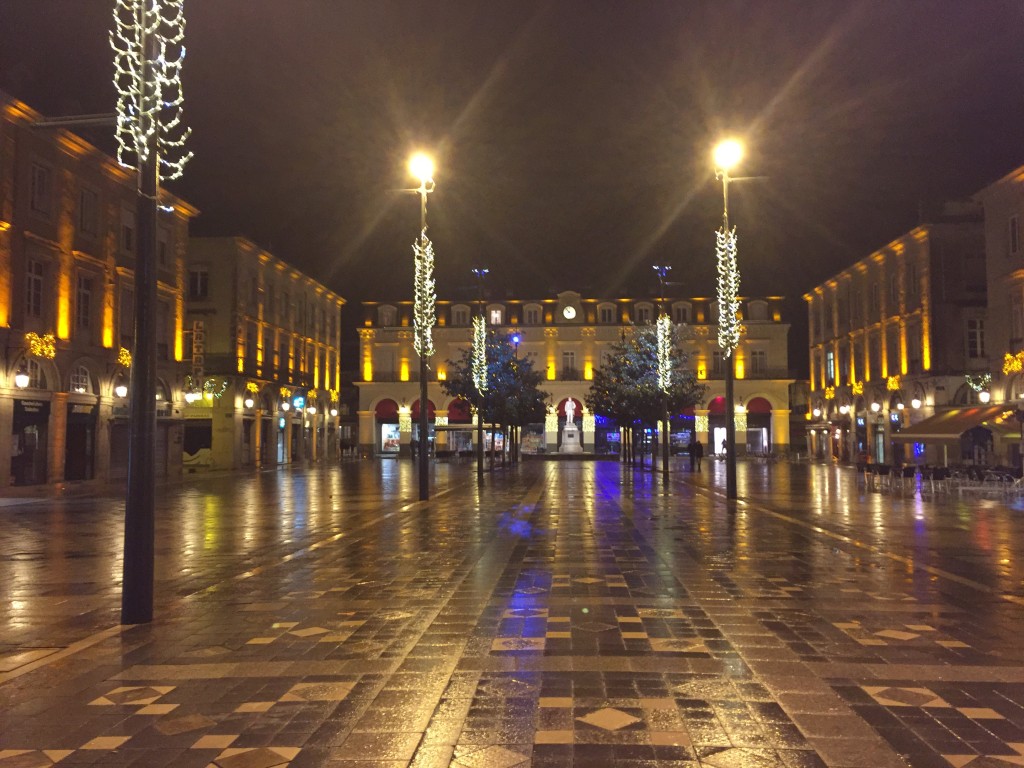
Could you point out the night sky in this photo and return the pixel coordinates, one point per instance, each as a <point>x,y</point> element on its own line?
<point>572,138</point>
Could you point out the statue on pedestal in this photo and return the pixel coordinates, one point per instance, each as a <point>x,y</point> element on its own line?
<point>570,432</point>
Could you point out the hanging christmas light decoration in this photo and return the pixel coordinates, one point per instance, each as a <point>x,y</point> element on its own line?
<point>148,42</point>
<point>664,352</point>
<point>424,314</point>
<point>480,354</point>
<point>728,290</point>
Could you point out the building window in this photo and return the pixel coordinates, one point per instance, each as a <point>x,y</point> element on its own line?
<point>41,193</point>
<point>606,314</point>
<point>681,313</point>
<point>913,282</point>
<point>126,315</point>
<point>569,371</point>
<point>757,311</point>
<point>36,377</point>
<point>83,302</point>
<point>387,316</point>
<point>975,338</point>
<point>34,271</point>
<point>81,382</point>
<point>162,248</point>
<point>495,316</point>
<point>894,293</point>
<point>127,231</point>
<point>198,283</point>
<point>717,366</point>
<point>642,314</point>
<point>532,315</point>
<point>1016,320</point>
<point>460,316</point>
<point>830,367</point>
<point>88,211</point>
<point>758,362</point>
<point>1014,235</point>
<point>875,300</point>
<point>163,335</point>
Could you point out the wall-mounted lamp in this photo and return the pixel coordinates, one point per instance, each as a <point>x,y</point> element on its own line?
<point>816,412</point>
<point>248,402</point>
<point>876,407</point>
<point>984,396</point>
<point>121,390</point>
<point>21,378</point>
<point>915,403</point>
<point>334,411</point>
<point>285,405</point>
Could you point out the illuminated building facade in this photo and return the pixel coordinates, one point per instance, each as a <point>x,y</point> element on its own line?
<point>262,344</point>
<point>67,253</point>
<point>567,338</point>
<point>895,337</point>
<point>1004,260</point>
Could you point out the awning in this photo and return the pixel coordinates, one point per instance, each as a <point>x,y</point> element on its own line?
<point>947,426</point>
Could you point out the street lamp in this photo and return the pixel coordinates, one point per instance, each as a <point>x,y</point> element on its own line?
<point>727,155</point>
<point>421,166</point>
<point>664,366</point>
<point>480,368</point>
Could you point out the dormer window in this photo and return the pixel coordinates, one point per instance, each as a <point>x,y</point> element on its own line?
<point>496,314</point>
<point>532,314</point>
<point>682,311</point>
<point>642,314</point>
<point>606,314</point>
<point>757,311</point>
<point>460,315</point>
<point>387,315</point>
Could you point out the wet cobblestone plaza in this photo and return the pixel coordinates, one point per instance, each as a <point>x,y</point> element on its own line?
<point>562,614</point>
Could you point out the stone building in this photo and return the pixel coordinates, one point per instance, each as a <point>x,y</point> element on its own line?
<point>263,343</point>
<point>567,338</point>
<point>67,257</point>
<point>897,338</point>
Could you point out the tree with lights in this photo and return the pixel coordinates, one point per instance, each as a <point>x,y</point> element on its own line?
<point>512,397</point>
<point>628,387</point>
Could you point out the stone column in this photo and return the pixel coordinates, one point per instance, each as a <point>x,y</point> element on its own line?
<point>256,443</point>
<point>57,438</point>
<point>366,438</point>
<point>700,421</point>
<point>780,430</point>
<point>6,425</point>
<point>101,456</point>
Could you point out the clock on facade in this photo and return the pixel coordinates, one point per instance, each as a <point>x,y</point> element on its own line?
<point>569,313</point>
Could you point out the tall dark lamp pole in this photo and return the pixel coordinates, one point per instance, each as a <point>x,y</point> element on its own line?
<point>664,367</point>
<point>424,315</point>
<point>727,154</point>
<point>148,44</point>
<point>480,369</point>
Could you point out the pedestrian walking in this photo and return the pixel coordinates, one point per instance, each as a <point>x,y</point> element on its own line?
<point>414,444</point>
<point>692,450</point>
<point>698,450</point>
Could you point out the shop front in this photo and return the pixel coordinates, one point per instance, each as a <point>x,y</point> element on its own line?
<point>29,436</point>
<point>79,446</point>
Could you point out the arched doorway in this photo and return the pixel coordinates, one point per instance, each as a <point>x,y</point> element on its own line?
<point>759,426</point>
<point>388,438</point>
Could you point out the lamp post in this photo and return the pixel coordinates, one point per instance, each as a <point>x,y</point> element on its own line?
<point>422,168</point>
<point>727,154</point>
<point>515,428</point>
<point>480,369</point>
<point>664,366</point>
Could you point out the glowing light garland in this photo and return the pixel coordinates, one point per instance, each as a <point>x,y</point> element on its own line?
<point>148,42</point>
<point>41,346</point>
<point>979,383</point>
<point>1013,363</point>
<point>728,290</point>
<point>893,383</point>
<point>424,313</point>
<point>480,354</point>
<point>664,353</point>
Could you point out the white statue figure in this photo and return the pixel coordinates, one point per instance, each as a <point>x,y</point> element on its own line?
<point>570,409</point>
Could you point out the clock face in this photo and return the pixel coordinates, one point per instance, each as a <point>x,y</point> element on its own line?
<point>569,313</point>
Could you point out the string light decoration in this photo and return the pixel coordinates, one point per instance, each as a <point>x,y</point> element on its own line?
<point>480,354</point>
<point>424,313</point>
<point>252,387</point>
<point>979,383</point>
<point>893,383</point>
<point>44,346</point>
<point>728,290</point>
<point>124,358</point>
<point>664,352</point>
<point>1013,363</point>
<point>857,388</point>
<point>148,42</point>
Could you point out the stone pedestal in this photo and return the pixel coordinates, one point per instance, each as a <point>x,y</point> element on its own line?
<point>570,439</point>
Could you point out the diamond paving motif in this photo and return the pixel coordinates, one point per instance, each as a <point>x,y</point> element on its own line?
<point>897,634</point>
<point>318,692</point>
<point>183,724</point>
<point>904,697</point>
<point>491,757</point>
<point>594,626</point>
<point>735,757</point>
<point>609,719</point>
<point>31,758</point>
<point>133,695</point>
<point>262,757</point>
<point>518,644</point>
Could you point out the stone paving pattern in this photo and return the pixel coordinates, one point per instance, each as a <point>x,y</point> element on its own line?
<point>562,614</point>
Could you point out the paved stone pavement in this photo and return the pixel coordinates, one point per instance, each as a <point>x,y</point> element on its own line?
<point>563,614</point>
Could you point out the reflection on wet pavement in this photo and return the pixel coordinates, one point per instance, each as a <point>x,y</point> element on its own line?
<point>562,614</point>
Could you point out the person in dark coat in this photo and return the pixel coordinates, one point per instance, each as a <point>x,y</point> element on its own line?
<point>698,450</point>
